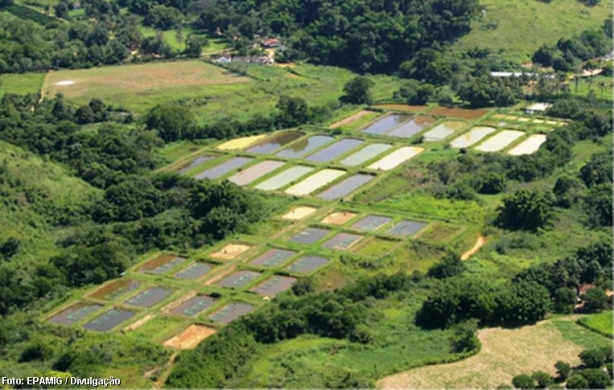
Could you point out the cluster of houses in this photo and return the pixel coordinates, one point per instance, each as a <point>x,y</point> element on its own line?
<point>271,43</point>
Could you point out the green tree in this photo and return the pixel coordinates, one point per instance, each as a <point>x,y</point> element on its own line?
<point>526,210</point>
<point>523,381</point>
<point>450,265</point>
<point>577,381</point>
<point>598,204</point>
<point>293,111</point>
<point>596,378</point>
<point>172,122</point>
<point>564,300</point>
<point>542,379</point>
<point>567,191</point>
<point>358,90</point>
<point>598,170</point>
<point>195,45</point>
<point>563,370</point>
<point>595,300</point>
<point>464,337</point>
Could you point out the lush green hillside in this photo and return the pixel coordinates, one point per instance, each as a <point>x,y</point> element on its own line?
<point>517,28</point>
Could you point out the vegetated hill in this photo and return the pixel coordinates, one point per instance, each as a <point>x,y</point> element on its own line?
<point>37,196</point>
<point>363,35</point>
<point>517,28</point>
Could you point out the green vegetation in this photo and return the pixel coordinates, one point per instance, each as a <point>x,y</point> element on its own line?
<point>110,109</point>
<point>600,323</point>
<point>21,83</point>
<point>519,28</point>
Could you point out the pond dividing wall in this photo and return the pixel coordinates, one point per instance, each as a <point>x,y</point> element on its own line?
<point>304,146</point>
<point>284,178</point>
<point>412,127</point>
<point>473,136</point>
<point>365,154</point>
<point>443,130</point>
<point>223,168</point>
<point>499,141</point>
<point>331,152</point>
<point>396,158</point>
<point>255,172</point>
<point>275,142</point>
<point>315,181</point>
<point>345,187</point>
<point>385,124</point>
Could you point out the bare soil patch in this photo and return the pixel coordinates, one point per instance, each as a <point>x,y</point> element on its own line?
<point>298,213</point>
<point>460,113</point>
<point>189,337</point>
<point>230,251</point>
<point>338,218</point>
<point>505,353</point>
<point>350,119</point>
<point>403,107</point>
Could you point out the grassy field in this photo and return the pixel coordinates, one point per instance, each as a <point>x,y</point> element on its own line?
<point>504,354</point>
<point>212,92</point>
<point>600,323</point>
<point>21,83</point>
<point>138,87</point>
<point>517,28</point>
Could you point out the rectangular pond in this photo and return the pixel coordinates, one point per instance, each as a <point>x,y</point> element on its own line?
<point>345,187</point>
<point>385,124</point>
<point>241,143</point>
<point>149,297</point>
<point>273,257</point>
<point>443,130</point>
<point>194,305</point>
<point>161,264</point>
<point>371,223</point>
<point>307,264</point>
<point>396,158</point>
<point>304,146</point>
<point>331,152</point>
<point>275,142</point>
<point>194,163</point>
<point>472,137</point>
<point>239,279</point>
<point>315,181</point>
<point>528,146</point>
<point>223,168</point>
<point>412,127</point>
<point>499,141</point>
<point>115,289</point>
<point>284,178</point>
<point>274,286</point>
<point>253,173</point>
<point>74,313</point>
<point>194,271</point>
<point>406,228</point>
<point>108,320</point>
<point>309,235</point>
<point>365,154</point>
<point>342,241</point>
<point>231,312</point>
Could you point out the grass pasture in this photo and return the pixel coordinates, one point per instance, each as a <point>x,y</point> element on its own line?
<point>21,83</point>
<point>517,28</point>
<point>504,354</point>
<point>600,323</point>
<point>138,87</point>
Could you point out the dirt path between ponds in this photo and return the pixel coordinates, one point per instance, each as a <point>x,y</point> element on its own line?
<point>478,244</point>
<point>350,119</point>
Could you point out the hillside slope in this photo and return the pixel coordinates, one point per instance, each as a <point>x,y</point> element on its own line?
<point>519,27</point>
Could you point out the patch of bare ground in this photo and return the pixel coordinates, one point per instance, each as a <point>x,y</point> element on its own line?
<point>189,337</point>
<point>478,244</point>
<point>350,119</point>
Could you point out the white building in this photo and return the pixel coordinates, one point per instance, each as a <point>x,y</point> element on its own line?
<point>537,108</point>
